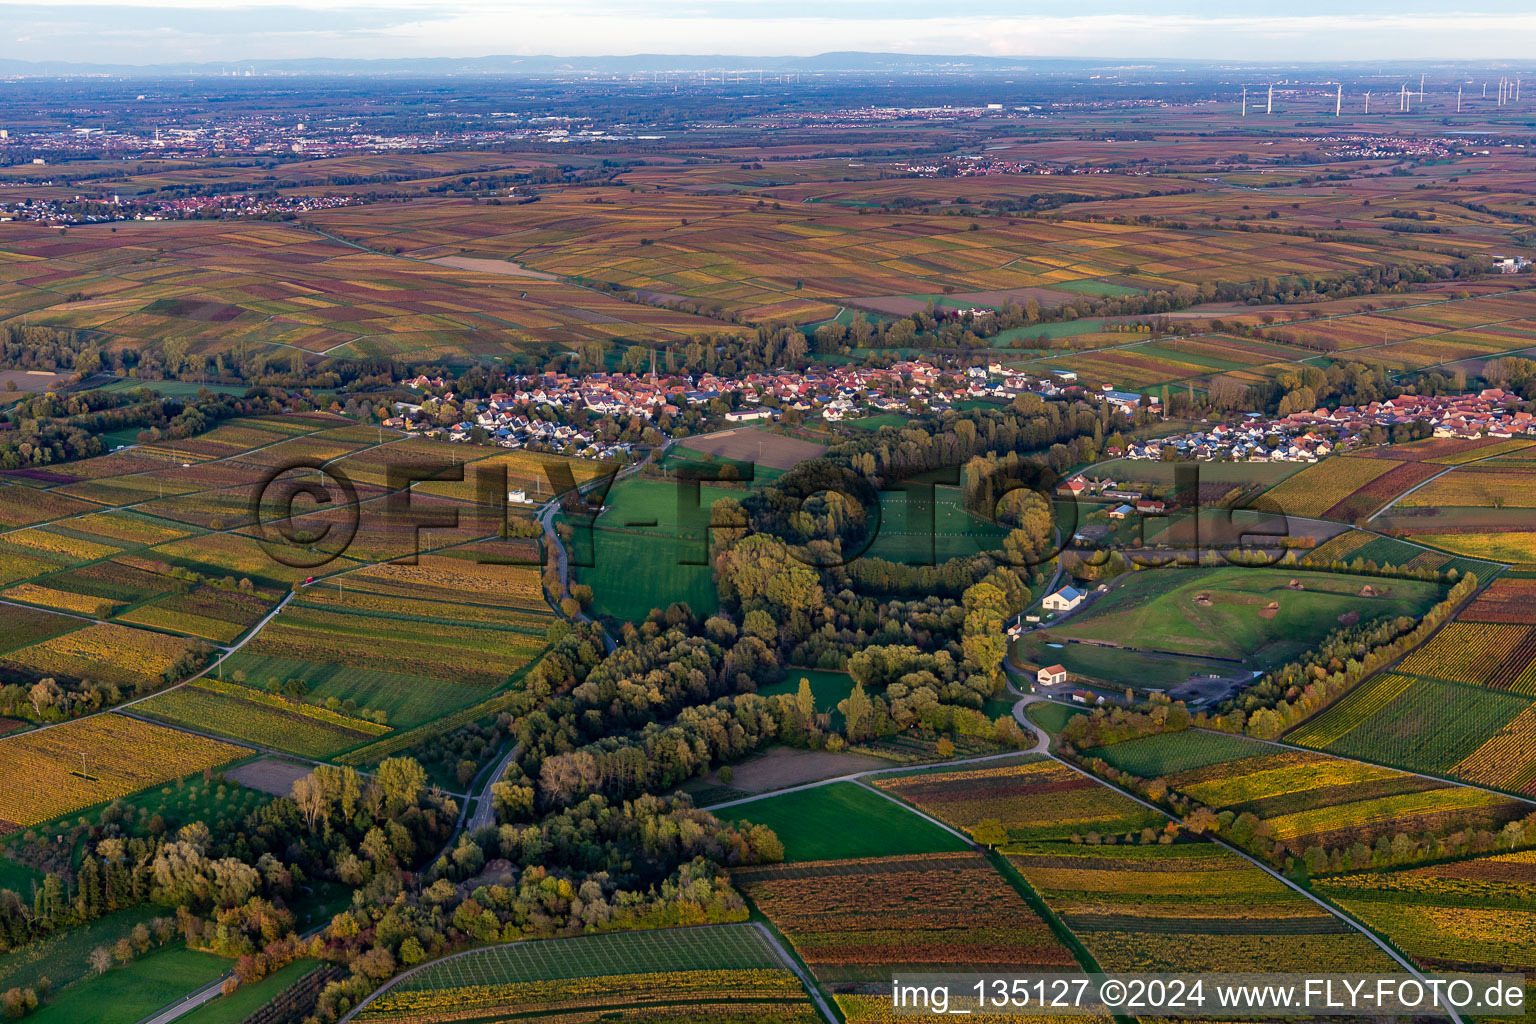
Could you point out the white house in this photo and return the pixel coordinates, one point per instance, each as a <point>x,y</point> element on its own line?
<point>1064,600</point>
<point>1051,675</point>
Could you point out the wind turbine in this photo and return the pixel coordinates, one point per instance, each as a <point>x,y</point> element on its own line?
<point>1245,101</point>
<point>1338,101</point>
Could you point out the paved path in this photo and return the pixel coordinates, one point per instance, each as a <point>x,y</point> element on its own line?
<point>485,813</point>
<point>207,994</point>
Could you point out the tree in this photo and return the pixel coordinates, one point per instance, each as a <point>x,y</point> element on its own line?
<point>402,779</point>
<point>100,960</point>
<point>45,693</point>
<point>989,832</point>
<point>858,714</point>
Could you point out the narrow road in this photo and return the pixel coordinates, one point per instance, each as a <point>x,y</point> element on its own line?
<point>207,994</point>
<point>546,516</point>
<point>485,814</point>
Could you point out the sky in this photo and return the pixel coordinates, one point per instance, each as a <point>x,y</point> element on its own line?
<point>173,31</point>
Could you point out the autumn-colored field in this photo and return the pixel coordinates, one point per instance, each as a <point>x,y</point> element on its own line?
<point>58,770</point>
<point>856,920</point>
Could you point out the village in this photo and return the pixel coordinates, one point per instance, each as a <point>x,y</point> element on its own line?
<point>556,411</point>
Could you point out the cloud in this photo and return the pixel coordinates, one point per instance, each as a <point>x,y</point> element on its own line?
<point>1191,29</point>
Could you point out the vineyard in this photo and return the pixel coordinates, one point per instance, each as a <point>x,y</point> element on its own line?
<point>61,769</point>
<point>1306,799</point>
<point>1167,753</point>
<point>726,974</point>
<point>1039,799</point>
<point>857,920</point>
<point>1317,489</point>
<point>1478,486</point>
<point>254,716</point>
<point>132,658</point>
<point>1462,705</point>
<point>1187,906</point>
<point>1464,915</point>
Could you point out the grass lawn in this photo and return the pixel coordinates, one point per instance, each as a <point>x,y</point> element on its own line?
<point>1224,613</point>
<point>1172,752</point>
<point>61,957</point>
<point>1052,717</point>
<point>906,536</point>
<point>884,419</point>
<point>640,547</point>
<point>1113,666</point>
<point>827,687</point>
<point>247,999</point>
<point>127,994</point>
<point>1058,329</point>
<point>17,876</point>
<point>843,819</point>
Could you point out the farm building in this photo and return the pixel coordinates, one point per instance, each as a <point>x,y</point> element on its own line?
<point>1064,600</point>
<point>1051,675</point>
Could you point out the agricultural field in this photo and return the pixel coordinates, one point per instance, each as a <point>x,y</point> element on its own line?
<point>723,974</point>
<point>855,920</point>
<point>1307,799</point>
<point>129,993</point>
<point>647,548</point>
<point>1362,549</point>
<point>1473,914</point>
<point>1188,905</point>
<point>345,301</point>
<point>473,654</point>
<point>700,242</point>
<point>802,260</point>
<point>1169,753</point>
<point>136,660</point>
<point>256,716</point>
<point>1033,799</point>
<point>1343,487</point>
<point>1478,485</point>
<point>1255,618</point>
<point>63,768</point>
<point>1462,705</point>
<point>843,819</point>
